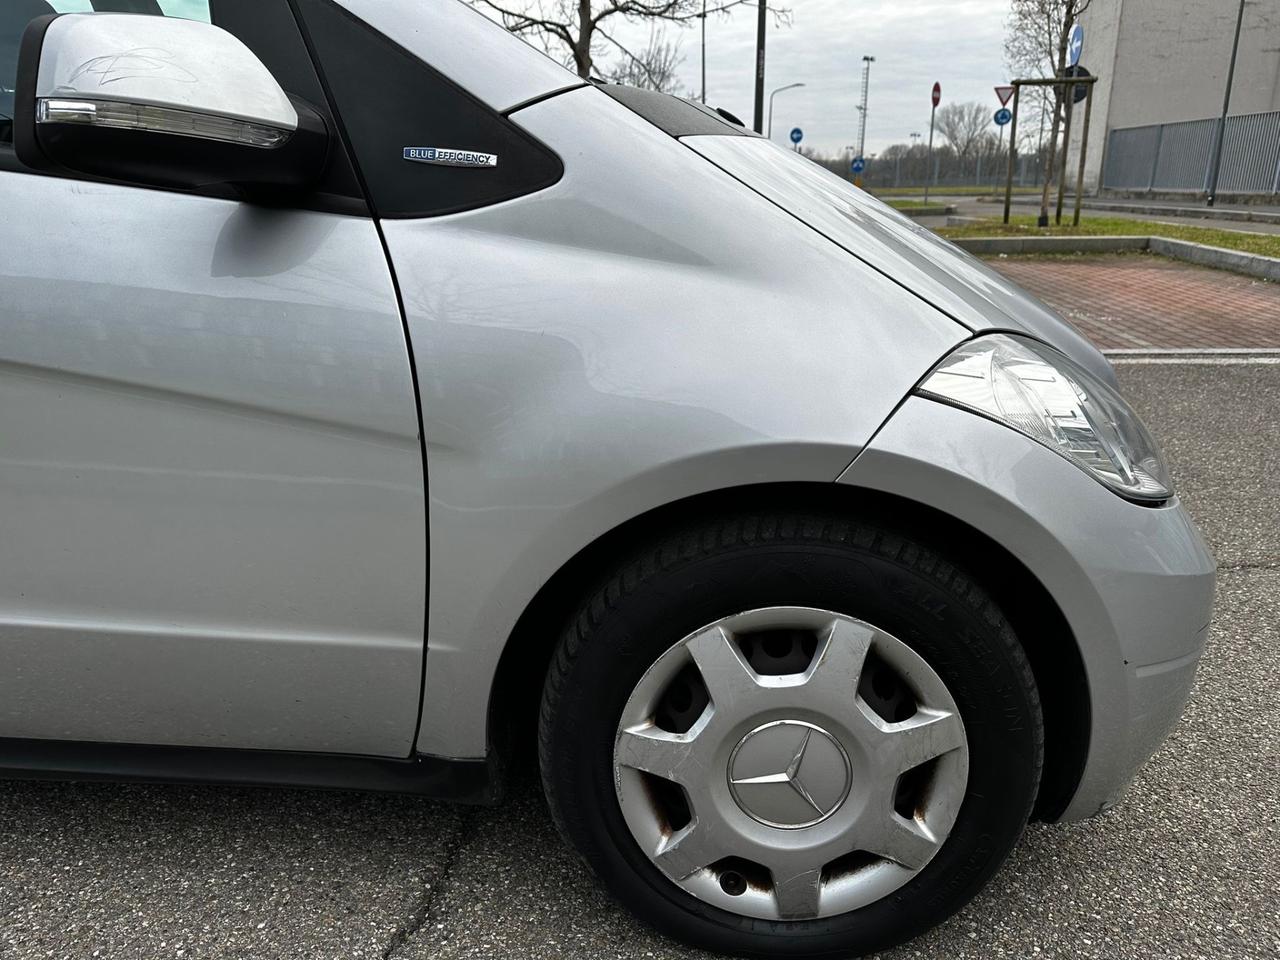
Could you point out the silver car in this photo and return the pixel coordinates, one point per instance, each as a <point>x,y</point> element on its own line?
<point>383,407</point>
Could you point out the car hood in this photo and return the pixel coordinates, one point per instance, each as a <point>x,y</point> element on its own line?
<point>960,285</point>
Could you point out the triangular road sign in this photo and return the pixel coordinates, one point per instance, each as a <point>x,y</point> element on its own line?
<point>1004,93</point>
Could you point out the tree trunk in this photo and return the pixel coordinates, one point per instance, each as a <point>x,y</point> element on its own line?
<point>1049,159</point>
<point>1068,17</point>
<point>582,49</point>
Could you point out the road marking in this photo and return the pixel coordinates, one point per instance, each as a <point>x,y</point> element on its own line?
<point>1197,361</point>
<point>1195,356</point>
<point>1192,351</point>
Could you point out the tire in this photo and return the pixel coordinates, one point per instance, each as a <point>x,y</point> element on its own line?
<point>689,578</point>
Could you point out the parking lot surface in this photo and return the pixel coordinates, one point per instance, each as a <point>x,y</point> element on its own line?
<point>1188,866</point>
<point>1136,301</point>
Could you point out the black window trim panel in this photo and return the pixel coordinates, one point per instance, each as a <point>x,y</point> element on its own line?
<point>386,99</point>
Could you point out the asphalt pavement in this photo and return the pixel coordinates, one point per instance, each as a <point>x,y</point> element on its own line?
<point>1187,866</point>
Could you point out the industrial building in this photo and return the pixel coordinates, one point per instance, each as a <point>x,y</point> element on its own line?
<point>1162,72</point>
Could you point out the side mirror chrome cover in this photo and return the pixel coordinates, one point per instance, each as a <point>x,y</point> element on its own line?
<point>159,61</point>
<point>159,101</point>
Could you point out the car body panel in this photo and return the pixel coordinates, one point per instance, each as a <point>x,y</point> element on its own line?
<point>212,523</point>
<point>478,55</point>
<point>212,519</point>
<point>694,338</point>
<point>1135,583</point>
<point>930,267</point>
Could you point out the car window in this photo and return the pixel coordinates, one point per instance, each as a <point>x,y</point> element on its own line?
<point>16,14</point>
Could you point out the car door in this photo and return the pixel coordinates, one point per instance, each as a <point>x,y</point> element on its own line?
<point>212,525</point>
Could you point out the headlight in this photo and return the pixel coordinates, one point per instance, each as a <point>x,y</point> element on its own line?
<point>1040,392</point>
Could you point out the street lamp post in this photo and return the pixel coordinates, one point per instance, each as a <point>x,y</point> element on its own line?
<point>1226,105</point>
<point>789,86</point>
<point>930,173</point>
<point>761,22</point>
<point>862,109</point>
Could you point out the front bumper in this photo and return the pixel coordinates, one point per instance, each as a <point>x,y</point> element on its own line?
<point>1134,583</point>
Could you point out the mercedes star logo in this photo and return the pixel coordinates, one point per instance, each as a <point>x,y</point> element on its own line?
<point>789,774</point>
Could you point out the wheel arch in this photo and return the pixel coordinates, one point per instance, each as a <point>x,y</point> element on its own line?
<point>1037,620</point>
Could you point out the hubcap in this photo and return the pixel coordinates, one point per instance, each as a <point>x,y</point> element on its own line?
<point>790,763</point>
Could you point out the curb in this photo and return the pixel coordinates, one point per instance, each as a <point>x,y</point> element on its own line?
<point>917,213</point>
<point>1184,213</point>
<point>1236,261</point>
<point>1268,268</point>
<point>996,245</point>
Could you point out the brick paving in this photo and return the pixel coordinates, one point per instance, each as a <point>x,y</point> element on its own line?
<point>1135,301</point>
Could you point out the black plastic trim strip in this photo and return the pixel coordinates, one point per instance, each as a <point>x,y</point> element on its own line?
<point>25,145</point>
<point>341,131</point>
<point>543,96</point>
<point>674,115</point>
<point>461,781</point>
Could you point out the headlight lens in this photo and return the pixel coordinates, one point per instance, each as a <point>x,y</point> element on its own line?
<point>1040,392</point>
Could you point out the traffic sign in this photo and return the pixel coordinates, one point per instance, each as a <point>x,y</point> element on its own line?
<point>1075,45</point>
<point>858,165</point>
<point>1081,90</point>
<point>937,94</point>
<point>1003,116</point>
<point>1004,93</point>
<point>796,135</point>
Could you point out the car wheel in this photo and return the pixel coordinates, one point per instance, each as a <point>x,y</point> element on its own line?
<point>790,735</point>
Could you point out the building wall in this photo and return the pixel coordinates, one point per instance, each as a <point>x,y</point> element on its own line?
<point>1160,61</point>
<point>1102,32</point>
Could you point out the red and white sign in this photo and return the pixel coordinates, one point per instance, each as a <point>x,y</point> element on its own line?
<point>1004,93</point>
<point>937,94</point>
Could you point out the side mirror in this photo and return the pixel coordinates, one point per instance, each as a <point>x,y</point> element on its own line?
<point>161,102</point>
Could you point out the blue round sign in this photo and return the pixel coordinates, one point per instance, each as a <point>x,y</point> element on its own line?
<point>1075,45</point>
<point>858,165</point>
<point>796,134</point>
<point>1003,116</point>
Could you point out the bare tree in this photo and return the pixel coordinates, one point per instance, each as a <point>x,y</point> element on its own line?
<point>1036,44</point>
<point>577,28</point>
<point>963,126</point>
<point>653,68</point>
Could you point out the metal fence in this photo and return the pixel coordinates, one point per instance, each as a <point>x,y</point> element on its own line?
<point>945,171</point>
<point>1178,156</point>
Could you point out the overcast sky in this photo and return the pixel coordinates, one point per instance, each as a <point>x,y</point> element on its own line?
<point>915,42</point>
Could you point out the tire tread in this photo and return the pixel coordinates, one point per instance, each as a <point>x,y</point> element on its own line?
<point>675,548</point>
<point>744,530</point>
